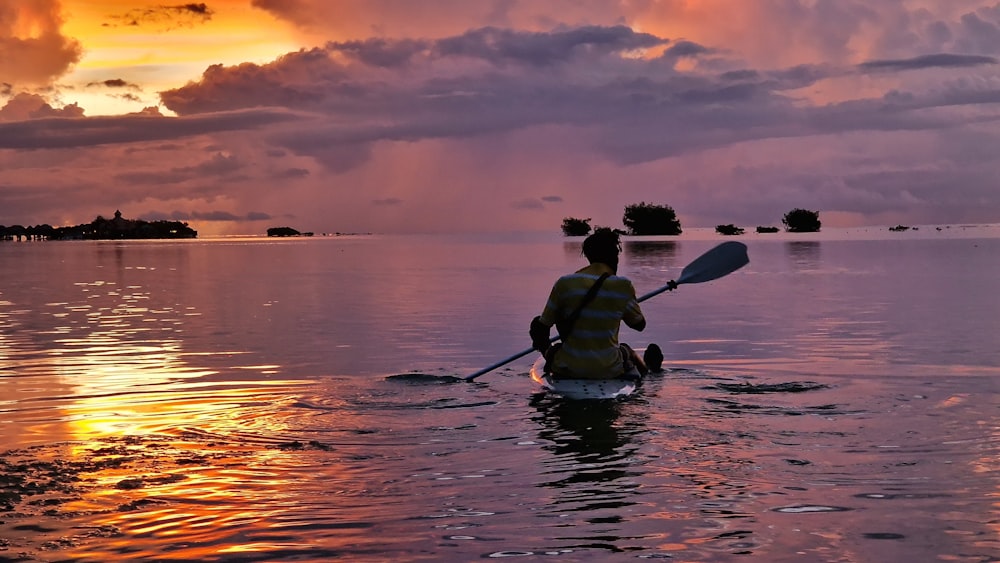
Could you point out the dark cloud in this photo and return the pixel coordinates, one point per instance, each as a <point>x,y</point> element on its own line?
<point>217,166</point>
<point>114,83</point>
<point>685,49</point>
<point>591,81</point>
<point>92,131</point>
<point>207,216</point>
<point>314,79</point>
<point>489,81</point>
<point>552,199</point>
<point>528,203</point>
<point>304,79</point>
<point>939,60</point>
<point>164,17</point>
<point>381,52</point>
<point>387,201</point>
<point>216,216</point>
<point>291,174</point>
<point>500,46</point>
<point>979,32</point>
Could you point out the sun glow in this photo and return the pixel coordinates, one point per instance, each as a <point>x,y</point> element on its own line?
<point>132,51</point>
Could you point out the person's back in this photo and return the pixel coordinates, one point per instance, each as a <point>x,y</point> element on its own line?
<point>592,349</point>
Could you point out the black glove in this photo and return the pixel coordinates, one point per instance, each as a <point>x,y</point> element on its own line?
<point>539,333</point>
<point>671,285</point>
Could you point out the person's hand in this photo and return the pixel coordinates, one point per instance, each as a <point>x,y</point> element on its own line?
<point>539,333</point>
<point>671,285</point>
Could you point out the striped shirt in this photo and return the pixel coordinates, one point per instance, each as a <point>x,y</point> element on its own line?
<point>592,351</point>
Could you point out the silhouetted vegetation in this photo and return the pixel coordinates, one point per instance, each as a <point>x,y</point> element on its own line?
<point>282,232</point>
<point>102,229</point>
<point>899,228</point>
<point>729,229</point>
<point>649,219</point>
<point>801,221</point>
<point>573,227</point>
<point>767,229</point>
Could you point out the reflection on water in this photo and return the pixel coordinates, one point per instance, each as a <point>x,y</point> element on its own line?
<point>804,254</point>
<point>233,401</point>
<point>573,249</point>
<point>651,253</point>
<point>589,472</point>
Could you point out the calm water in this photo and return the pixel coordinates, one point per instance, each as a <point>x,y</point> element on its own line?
<point>267,400</point>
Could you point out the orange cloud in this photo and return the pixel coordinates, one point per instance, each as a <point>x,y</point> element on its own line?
<point>32,106</point>
<point>33,50</point>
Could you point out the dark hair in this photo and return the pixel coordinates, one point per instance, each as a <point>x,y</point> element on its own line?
<point>602,246</point>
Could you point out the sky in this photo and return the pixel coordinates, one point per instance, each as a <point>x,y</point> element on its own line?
<point>395,116</point>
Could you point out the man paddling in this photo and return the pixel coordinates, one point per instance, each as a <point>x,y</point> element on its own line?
<point>588,307</point>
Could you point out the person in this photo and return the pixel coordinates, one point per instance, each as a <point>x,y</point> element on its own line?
<point>591,349</point>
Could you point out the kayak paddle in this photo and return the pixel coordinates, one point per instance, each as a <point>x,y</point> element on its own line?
<point>720,261</point>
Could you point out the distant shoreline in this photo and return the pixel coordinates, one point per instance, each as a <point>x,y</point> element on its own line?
<point>100,228</point>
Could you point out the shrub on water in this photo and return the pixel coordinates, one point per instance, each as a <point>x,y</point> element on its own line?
<point>573,227</point>
<point>801,221</point>
<point>649,219</point>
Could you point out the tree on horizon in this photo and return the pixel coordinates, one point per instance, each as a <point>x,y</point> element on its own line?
<point>649,219</point>
<point>801,221</point>
<point>573,227</point>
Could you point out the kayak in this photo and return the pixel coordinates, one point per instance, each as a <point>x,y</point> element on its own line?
<point>586,388</point>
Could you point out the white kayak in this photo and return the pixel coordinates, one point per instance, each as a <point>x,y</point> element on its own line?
<point>585,388</point>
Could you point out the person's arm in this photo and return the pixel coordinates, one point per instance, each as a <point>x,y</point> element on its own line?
<point>541,325</point>
<point>633,316</point>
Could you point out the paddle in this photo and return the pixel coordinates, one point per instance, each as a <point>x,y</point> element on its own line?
<point>720,261</point>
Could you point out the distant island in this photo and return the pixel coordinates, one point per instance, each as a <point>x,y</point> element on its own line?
<point>100,228</point>
<point>286,232</point>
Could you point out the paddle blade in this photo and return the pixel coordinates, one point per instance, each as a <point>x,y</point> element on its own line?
<point>717,262</point>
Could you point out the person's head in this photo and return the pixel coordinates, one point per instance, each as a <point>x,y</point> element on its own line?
<point>603,246</point>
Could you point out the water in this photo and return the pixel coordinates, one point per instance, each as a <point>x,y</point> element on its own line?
<point>267,400</point>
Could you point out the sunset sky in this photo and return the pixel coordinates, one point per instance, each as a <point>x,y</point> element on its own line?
<point>498,115</point>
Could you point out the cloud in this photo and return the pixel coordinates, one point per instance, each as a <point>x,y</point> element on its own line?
<point>26,106</point>
<point>939,60</point>
<point>543,49</point>
<point>436,18</point>
<point>291,173</point>
<point>406,119</point>
<point>115,83</point>
<point>42,131</point>
<point>33,51</point>
<point>216,216</point>
<point>686,49</point>
<point>528,203</point>
<point>208,216</point>
<point>481,82</point>
<point>163,17</point>
<point>217,166</point>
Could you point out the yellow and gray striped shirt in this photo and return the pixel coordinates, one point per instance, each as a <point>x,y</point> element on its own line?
<point>592,351</point>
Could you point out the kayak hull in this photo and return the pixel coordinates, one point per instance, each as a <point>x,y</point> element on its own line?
<point>614,388</point>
